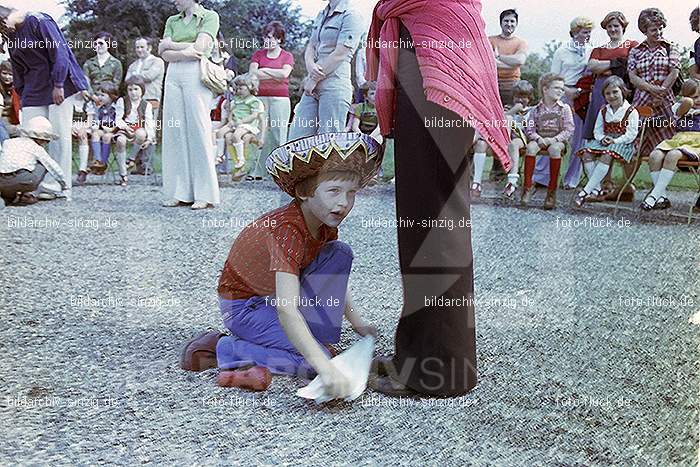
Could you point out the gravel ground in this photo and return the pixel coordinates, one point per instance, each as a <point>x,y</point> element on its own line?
<point>579,362</point>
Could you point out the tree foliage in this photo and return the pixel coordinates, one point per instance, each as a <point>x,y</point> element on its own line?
<point>241,23</point>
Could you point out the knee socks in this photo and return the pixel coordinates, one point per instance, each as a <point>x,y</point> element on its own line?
<point>664,178</point>
<point>104,153</point>
<point>529,170</point>
<point>479,162</point>
<point>554,167</point>
<point>83,151</point>
<point>596,177</point>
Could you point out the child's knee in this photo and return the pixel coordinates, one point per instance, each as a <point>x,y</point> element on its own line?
<point>533,148</point>
<point>121,142</point>
<point>338,248</point>
<point>107,138</point>
<point>656,156</point>
<point>673,156</point>
<point>480,146</point>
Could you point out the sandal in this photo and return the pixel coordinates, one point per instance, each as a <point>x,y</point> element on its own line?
<point>662,203</point>
<point>646,206</point>
<point>220,159</point>
<point>581,198</point>
<point>509,190</point>
<point>476,190</point>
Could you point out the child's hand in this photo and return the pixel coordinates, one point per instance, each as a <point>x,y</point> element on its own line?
<point>336,383</point>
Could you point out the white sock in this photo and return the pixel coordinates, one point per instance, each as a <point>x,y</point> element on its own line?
<point>219,147</point>
<point>238,148</point>
<point>121,161</point>
<point>664,179</point>
<point>479,162</point>
<point>654,177</point>
<point>83,151</point>
<point>601,170</point>
<point>589,167</point>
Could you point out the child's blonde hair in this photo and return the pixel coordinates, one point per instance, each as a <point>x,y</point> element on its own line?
<point>615,81</point>
<point>247,80</point>
<point>307,187</point>
<point>578,23</point>
<point>547,79</point>
<point>690,87</point>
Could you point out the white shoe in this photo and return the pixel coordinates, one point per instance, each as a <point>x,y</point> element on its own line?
<point>171,203</point>
<point>46,196</point>
<point>200,205</point>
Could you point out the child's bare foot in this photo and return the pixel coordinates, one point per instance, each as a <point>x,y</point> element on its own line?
<point>257,378</point>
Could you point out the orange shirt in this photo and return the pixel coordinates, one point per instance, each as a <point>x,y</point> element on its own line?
<point>510,46</point>
<point>276,241</point>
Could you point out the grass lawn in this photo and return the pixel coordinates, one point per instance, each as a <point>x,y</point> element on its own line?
<point>682,181</point>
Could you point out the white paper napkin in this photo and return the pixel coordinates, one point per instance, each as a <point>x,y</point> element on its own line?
<point>354,363</point>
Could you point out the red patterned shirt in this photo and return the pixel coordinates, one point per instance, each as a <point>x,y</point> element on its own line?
<point>654,66</point>
<point>278,241</point>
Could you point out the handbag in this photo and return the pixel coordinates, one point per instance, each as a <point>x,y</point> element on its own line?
<point>212,75</point>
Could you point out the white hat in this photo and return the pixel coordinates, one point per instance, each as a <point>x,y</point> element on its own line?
<point>39,128</point>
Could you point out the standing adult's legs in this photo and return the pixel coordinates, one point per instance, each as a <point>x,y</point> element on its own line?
<point>305,122</point>
<point>435,344</point>
<point>177,181</point>
<point>278,112</point>
<point>333,107</point>
<point>199,148</point>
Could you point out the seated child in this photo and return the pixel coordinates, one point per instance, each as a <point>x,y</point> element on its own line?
<point>363,116</point>
<point>103,127</point>
<point>9,102</point>
<point>284,290</point>
<point>245,117</point>
<point>522,93</point>
<point>615,130</point>
<point>81,130</point>
<point>135,124</point>
<point>549,125</point>
<point>24,162</point>
<point>685,145</point>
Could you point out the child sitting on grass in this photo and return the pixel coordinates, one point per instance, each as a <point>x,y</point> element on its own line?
<point>549,126</point>
<point>615,130</point>
<point>284,290</point>
<point>515,116</point>
<point>685,145</point>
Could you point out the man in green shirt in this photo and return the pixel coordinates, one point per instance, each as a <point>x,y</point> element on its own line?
<point>103,68</point>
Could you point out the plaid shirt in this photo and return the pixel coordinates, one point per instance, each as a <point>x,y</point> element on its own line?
<point>556,122</point>
<point>653,66</point>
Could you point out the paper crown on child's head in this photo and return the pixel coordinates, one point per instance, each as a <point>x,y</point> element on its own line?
<point>38,128</point>
<point>307,157</point>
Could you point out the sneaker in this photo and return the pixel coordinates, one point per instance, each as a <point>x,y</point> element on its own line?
<point>130,164</point>
<point>82,178</point>
<point>123,180</point>
<point>550,201</point>
<point>526,196</point>
<point>257,378</point>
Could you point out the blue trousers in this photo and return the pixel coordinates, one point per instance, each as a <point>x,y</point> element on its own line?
<point>257,335</point>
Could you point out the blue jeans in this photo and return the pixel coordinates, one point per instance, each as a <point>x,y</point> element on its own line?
<point>327,113</point>
<point>257,335</point>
